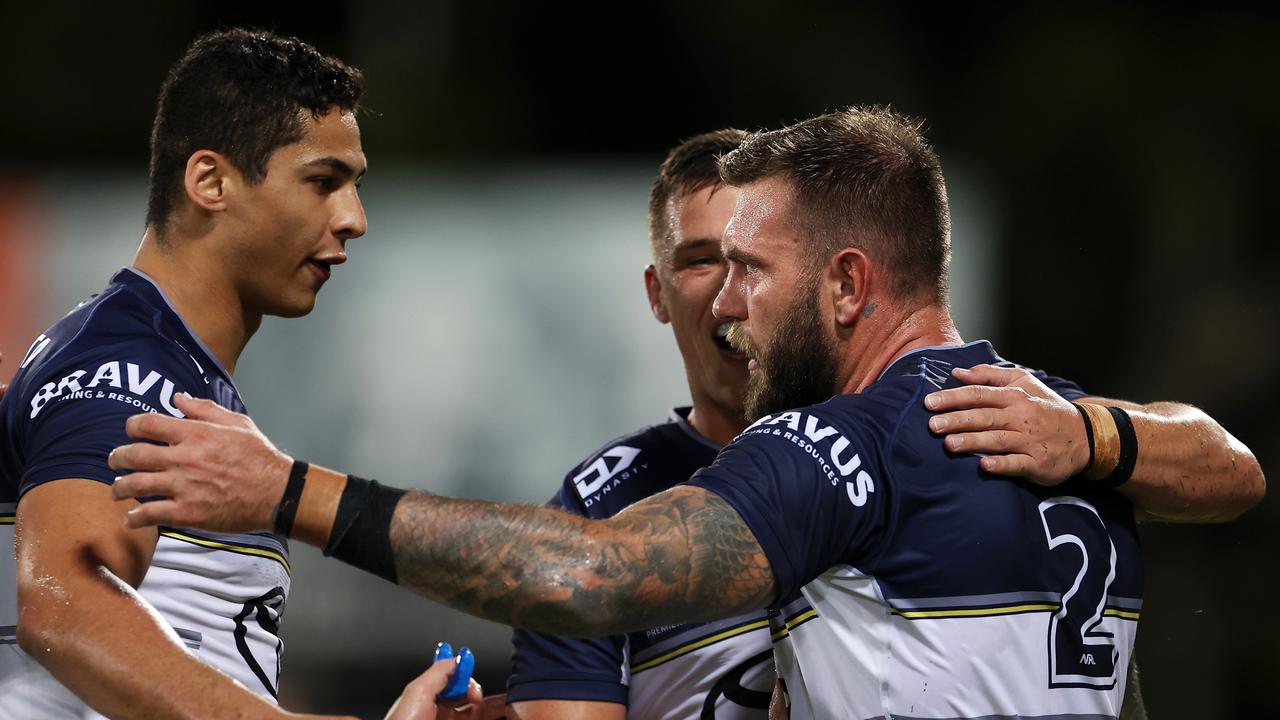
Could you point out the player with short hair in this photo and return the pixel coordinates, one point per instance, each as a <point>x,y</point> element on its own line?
<point>255,160</point>
<point>902,574</point>
<point>722,669</point>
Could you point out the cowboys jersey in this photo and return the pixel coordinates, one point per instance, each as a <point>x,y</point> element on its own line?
<point>915,585</point>
<point>122,352</point>
<point>719,670</point>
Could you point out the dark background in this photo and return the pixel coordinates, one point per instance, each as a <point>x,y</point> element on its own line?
<point>1130,152</point>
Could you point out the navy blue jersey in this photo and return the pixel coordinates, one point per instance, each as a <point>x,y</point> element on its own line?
<point>912,583</point>
<point>722,669</point>
<point>122,352</point>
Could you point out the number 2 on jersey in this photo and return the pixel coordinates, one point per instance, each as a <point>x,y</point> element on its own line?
<point>1081,653</point>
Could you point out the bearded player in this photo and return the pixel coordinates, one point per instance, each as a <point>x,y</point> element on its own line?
<point>902,576</point>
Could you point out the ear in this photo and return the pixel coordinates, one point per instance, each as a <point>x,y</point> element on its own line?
<point>208,180</point>
<point>653,286</point>
<point>850,272</point>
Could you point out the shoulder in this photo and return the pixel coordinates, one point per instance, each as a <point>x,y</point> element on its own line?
<point>113,344</point>
<point>634,466</point>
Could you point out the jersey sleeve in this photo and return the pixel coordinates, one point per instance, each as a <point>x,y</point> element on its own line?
<point>807,489</point>
<point>69,434</point>
<point>1067,389</point>
<point>553,667</point>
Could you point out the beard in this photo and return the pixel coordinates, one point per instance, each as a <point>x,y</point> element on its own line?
<point>797,366</point>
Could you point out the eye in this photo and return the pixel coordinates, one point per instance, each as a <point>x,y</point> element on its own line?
<point>324,183</point>
<point>703,261</point>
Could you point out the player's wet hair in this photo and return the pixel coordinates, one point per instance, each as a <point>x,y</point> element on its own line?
<point>689,167</point>
<point>862,177</point>
<point>240,93</point>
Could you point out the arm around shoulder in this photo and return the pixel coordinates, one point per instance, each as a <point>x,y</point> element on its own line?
<point>1189,468</point>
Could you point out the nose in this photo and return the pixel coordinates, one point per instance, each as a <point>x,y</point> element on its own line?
<point>730,303</point>
<point>348,217</point>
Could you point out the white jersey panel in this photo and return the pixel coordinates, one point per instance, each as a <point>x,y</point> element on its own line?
<point>705,672</point>
<point>935,662</point>
<point>205,593</point>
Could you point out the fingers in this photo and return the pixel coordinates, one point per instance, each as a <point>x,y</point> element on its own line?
<point>456,689</point>
<point>968,421</point>
<point>970,396</point>
<point>418,701</point>
<point>1016,465</point>
<point>991,441</point>
<point>141,457</point>
<point>993,375</point>
<point>160,512</point>
<point>139,485</point>
<point>475,693</point>
<point>208,411</point>
<point>155,426</point>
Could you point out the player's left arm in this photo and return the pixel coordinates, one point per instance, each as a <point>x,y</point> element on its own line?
<point>1188,468</point>
<point>684,555</point>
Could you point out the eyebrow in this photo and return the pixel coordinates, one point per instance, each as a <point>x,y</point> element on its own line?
<point>339,166</point>
<point>692,245</point>
<point>738,255</point>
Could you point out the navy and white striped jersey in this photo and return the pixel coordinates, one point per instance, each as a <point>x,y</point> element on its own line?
<point>914,585</point>
<point>720,670</point>
<point>125,351</point>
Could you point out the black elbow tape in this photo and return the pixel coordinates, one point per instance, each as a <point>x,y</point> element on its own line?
<point>361,533</point>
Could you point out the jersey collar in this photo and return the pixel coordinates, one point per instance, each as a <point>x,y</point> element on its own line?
<point>138,280</point>
<point>972,353</point>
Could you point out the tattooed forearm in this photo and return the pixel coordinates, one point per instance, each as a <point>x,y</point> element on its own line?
<point>680,556</point>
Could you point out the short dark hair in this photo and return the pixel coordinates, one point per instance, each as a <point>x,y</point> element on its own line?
<point>240,93</point>
<point>861,177</point>
<point>689,167</point>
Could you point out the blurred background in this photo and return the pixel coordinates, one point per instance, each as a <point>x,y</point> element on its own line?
<point>1113,181</point>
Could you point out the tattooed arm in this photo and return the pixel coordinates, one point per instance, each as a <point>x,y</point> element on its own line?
<point>681,556</point>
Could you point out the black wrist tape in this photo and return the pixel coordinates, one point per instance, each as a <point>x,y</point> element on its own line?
<point>1088,434</point>
<point>288,507</point>
<point>361,533</point>
<point>1128,449</point>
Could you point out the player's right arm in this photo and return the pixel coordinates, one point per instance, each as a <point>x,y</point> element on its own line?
<point>81,617</point>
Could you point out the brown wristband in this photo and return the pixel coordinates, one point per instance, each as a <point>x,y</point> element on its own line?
<point>1106,441</point>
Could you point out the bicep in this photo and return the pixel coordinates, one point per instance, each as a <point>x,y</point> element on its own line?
<point>71,529</point>
<point>566,710</point>
<point>701,552</point>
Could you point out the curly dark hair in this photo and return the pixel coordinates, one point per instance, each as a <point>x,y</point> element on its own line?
<point>861,177</point>
<point>689,167</point>
<point>240,93</point>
